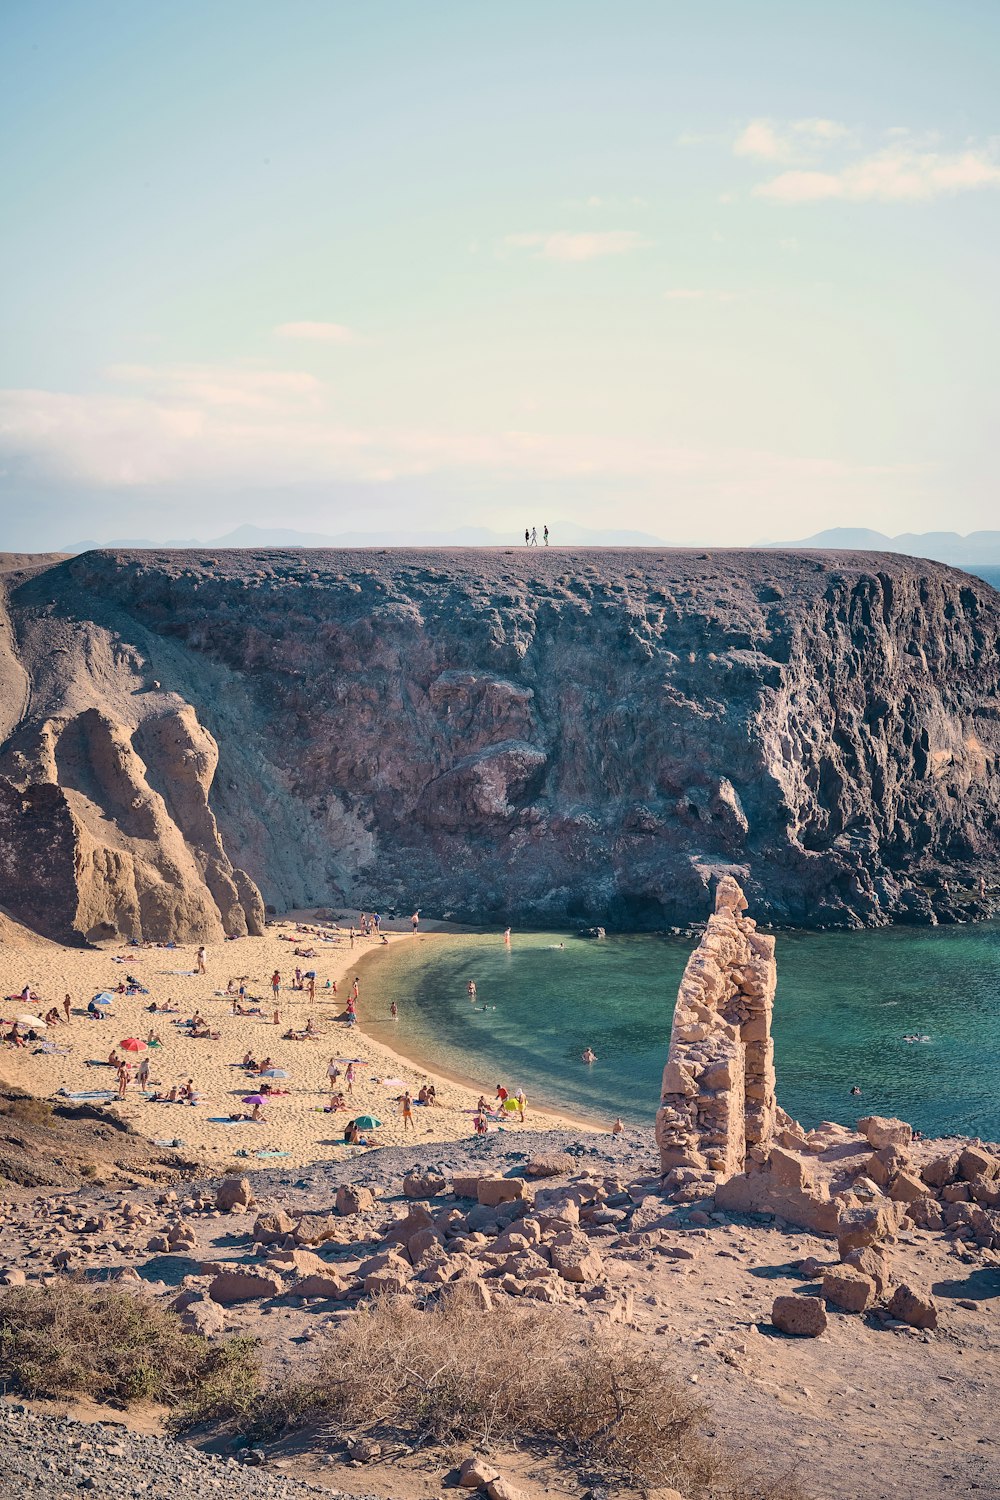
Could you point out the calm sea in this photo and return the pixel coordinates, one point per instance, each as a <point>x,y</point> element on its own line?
<point>846,1004</point>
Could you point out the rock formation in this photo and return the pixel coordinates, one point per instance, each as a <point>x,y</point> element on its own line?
<point>540,737</point>
<point>717,1110</point>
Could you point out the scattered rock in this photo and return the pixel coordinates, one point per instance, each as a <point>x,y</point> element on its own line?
<point>234,1192</point>
<point>913,1307</point>
<point>476,1472</point>
<point>849,1289</point>
<point>802,1317</point>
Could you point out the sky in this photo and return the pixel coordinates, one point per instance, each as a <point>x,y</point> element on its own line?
<point>723,273</point>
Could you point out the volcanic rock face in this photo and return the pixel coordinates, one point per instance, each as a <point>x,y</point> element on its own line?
<point>532,736</point>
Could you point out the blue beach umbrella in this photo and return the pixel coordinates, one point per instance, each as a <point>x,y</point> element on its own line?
<point>274,1073</point>
<point>104,998</point>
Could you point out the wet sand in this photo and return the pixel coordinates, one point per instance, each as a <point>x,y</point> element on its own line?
<point>295,1123</point>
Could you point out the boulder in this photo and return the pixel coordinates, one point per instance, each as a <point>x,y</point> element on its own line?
<point>941,1170</point>
<point>12,1276</point>
<point>907,1187</point>
<point>492,1191</point>
<point>880,1131</point>
<point>403,1230</point>
<point>873,1263</point>
<point>364,1449</point>
<point>466,1187</point>
<point>269,1229</point>
<point>802,1317</point>
<point>204,1317</point>
<point>423,1185</point>
<point>858,1227</point>
<point>557,1164</point>
<point>296,1263</point>
<point>926,1213</point>
<point>849,1289</point>
<point>502,1489</point>
<point>316,1229</point>
<point>975,1161</point>
<point>574,1257</point>
<point>476,1472</point>
<point>913,1307</point>
<point>235,1285</point>
<point>353,1199</point>
<point>234,1193</point>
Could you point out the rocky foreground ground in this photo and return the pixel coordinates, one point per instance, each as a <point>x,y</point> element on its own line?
<point>874,1355</point>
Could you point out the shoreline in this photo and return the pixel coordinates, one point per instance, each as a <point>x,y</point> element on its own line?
<point>434,1071</point>
<point>295,1128</point>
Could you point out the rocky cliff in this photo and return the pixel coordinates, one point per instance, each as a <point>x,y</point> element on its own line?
<point>533,736</point>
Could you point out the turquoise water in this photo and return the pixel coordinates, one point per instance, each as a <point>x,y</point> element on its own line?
<point>845,1003</point>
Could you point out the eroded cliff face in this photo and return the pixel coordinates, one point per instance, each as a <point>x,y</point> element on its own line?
<point>536,737</point>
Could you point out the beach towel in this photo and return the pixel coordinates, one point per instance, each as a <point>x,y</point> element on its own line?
<point>65,1093</point>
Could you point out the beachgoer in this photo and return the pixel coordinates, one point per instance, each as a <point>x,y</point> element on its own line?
<point>352,940</point>
<point>142,1077</point>
<point>506,937</point>
<point>501,1093</point>
<point>312,987</point>
<point>534,536</point>
<point>276,1018</point>
<point>356,989</point>
<point>480,1124</point>
<point>522,1103</point>
<point>415,919</point>
<point>588,1055</point>
<point>394,1011</point>
<point>545,534</point>
<point>275,983</point>
<point>617,1127</point>
<point>349,1078</point>
<point>854,1089</point>
<point>352,1134</point>
<point>201,960</point>
<point>471,987</point>
<point>482,1106</point>
<point>527,537</point>
<point>407,1106</point>
<point>67,1004</point>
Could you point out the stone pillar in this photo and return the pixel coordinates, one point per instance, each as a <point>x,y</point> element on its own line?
<point>717,1104</point>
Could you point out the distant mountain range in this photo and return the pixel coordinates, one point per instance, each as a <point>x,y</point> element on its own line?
<point>978,549</point>
<point>462,536</point>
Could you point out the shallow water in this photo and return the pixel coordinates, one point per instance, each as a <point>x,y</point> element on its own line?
<point>845,1003</point>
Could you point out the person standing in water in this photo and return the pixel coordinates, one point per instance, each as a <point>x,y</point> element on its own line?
<point>394,1011</point>
<point>471,987</point>
<point>506,937</point>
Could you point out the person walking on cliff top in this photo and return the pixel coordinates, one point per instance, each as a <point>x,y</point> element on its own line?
<point>545,534</point>
<point>534,536</point>
<point>527,537</point>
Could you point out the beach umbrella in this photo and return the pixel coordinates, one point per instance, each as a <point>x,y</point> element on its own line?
<point>310,974</point>
<point>132,1044</point>
<point>102,1004</point>
<point>254,1099</point>
<point>104,998</point>
<point>367,1122</point>
<point>274,1073</point>
<point>27,1020</point>
<point>511,1105</point>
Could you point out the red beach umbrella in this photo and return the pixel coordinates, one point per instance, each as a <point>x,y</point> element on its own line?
<point>132,1044</point>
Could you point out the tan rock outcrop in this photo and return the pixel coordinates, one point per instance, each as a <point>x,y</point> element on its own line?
<point>717,1100</point>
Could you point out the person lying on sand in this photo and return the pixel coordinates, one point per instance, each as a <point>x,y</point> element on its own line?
<point>170,1097</point>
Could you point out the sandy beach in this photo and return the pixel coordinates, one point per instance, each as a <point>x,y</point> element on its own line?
<point>294,1124</point>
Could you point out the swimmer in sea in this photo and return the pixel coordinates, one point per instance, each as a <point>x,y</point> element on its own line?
<point>471,987</point>
<point>588,1055</point>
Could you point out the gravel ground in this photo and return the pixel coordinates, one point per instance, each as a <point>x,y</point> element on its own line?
<point>51,1458</point>
<point>632,1154</point>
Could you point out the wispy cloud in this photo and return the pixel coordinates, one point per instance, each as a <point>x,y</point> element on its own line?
<point>563,245</point>
<point>324,333</point>
<point>219,385</point>
<point>767,141</point>
<point>895,175</point>
<point>697,294</point>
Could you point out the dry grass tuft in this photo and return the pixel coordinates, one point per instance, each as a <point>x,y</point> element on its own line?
<point>98,1341</point>
<point>457,1374</point>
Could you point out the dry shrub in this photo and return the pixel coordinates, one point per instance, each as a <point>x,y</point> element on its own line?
<point>99,1341</point>
<point>518,1375</point>
<point>29,1111</point>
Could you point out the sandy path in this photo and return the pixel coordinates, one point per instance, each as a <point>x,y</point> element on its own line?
<point>295,1123</point>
